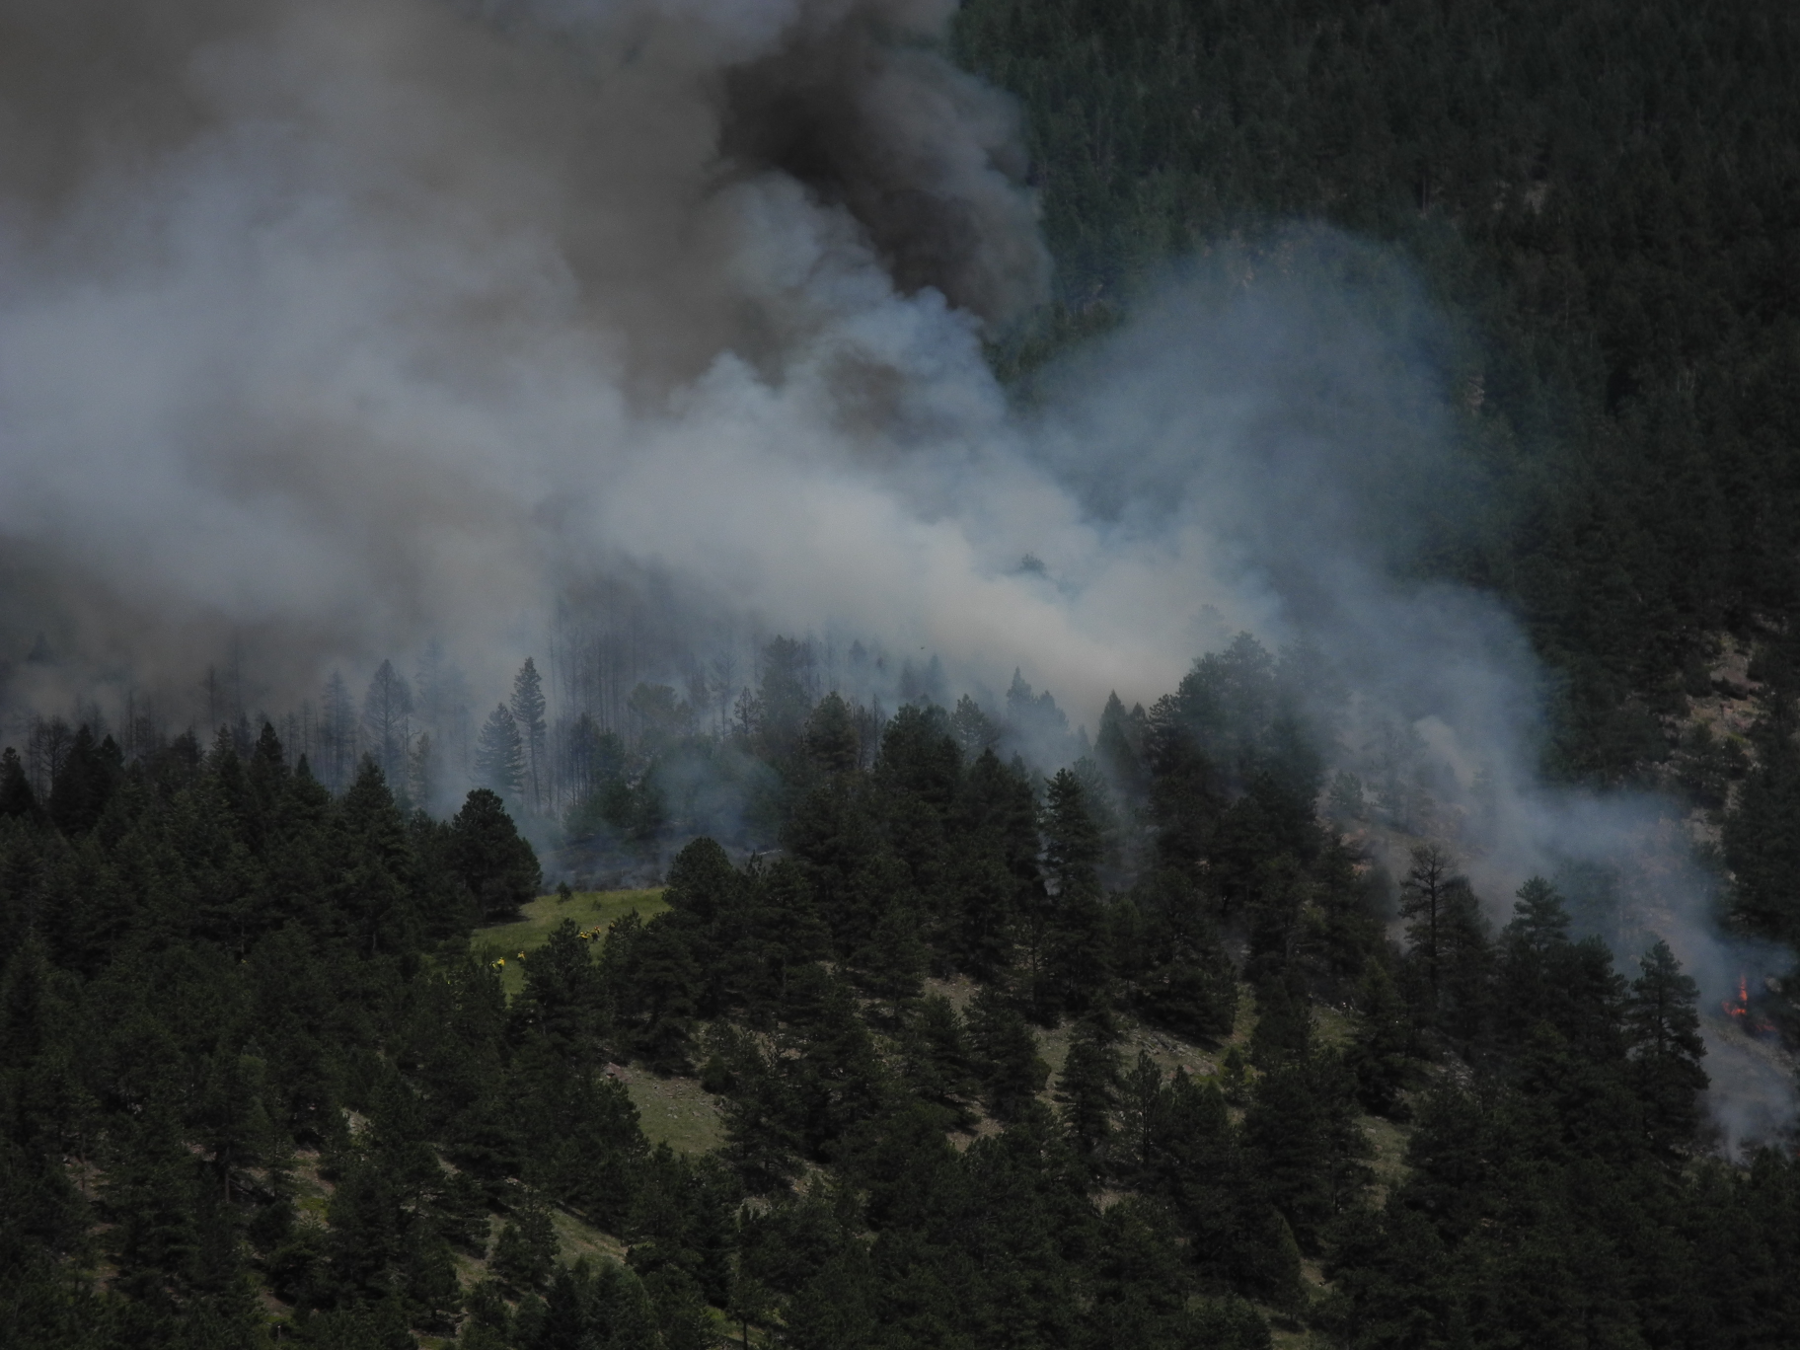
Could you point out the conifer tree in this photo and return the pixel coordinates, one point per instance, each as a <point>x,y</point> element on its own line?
<point>1760,837</point>
<point>1072,842</point>
<point>1380,1056</point>
<point>525,1252</point>
<point>387,720</point>
<point>783,699</point>
<point>421,772</point>
<point>1532,952</point>
<point>1088,1089</point>
<point>337,733</point>
<point>1119,747</point>
<point>378,889</point>
<point>88,777</point>
<point>1447,938</point>
<point>1662,1029</point>
<point>974,730</point>
<point>528,717</point>
<point>1007,1059</point>
<point>832,742</point>
<point>17,801</point>
<point>500,753</point>
<point>936,1056</point>
<point>497,868</point>
<point>836,1307</point>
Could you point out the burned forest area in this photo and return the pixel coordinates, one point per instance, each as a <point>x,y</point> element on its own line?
<point>895,674</point>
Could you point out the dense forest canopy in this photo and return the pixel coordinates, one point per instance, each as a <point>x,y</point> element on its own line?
<point>257,1082</point>
<point>1608,194</point>
<point>989,1022</point>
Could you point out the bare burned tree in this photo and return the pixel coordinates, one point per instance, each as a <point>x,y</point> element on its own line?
<point>1425,899</point>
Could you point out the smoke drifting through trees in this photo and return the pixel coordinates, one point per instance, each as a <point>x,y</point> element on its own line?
<point>632,336</point>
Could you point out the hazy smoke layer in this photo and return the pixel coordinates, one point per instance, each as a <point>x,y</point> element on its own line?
<point>333,324</point>
<point>326,327</point>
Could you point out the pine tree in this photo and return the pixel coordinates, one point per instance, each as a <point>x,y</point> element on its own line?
<point>528,718</point>
<point>1088,1089</point>
<point>974,730</point>
<point>1380,1056</point>
<point>1760,838</point>
<point>1283,1033</point>
<point>500,753</point>
<point>525,1252</point>
<point>1433,898</point>
<point>1662,1031</point>
<point>387,720</point>
<point>894,959</point>
<point>935,1054</point>
<point>1532,953</point>
<point>1301,1128</point>
<point>378,887</point>
<point>831,740</point>
<point>1119,747</point>
<point>337,733</point>
<point>836,1308</point>
<point>89,776</point>
<point>17,801</point>
<point>421,772</point>
<point>497,868</point>
<point>1007,1059</point>
<point>784,698</point>
<point>1072,843</point>
<point>562,997</point>
<point>1466,959</point>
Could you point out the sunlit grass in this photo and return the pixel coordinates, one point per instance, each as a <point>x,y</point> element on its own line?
<point>590,910</point>
<point>675,1111</point>
<point>576,1239</point>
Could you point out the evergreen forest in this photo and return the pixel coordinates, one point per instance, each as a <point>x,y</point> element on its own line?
<point>1158,1048</point>
<point>1120,1057</point>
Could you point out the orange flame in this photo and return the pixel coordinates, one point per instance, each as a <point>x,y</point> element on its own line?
<point>1741,1008</point>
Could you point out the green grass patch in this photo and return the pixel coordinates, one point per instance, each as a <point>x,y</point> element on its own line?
<point>675,1111</point>
<point>591,911</point>
<point>1332,1028</point>
<point>575,1239</point>
<point>1389,1163</point>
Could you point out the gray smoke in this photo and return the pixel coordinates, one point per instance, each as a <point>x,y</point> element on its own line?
<point>327,327</point>
<point>332,325</point>
<point>1298,420</point>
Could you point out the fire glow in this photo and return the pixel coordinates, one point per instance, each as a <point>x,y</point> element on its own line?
<point>1738,1010</point>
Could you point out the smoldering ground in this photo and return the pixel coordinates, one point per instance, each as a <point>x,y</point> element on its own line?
<point>327,327</point>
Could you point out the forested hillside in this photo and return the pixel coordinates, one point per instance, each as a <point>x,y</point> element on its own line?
<point>980,1033</point>
<point>258,1084</point>
<point>1606,193</point>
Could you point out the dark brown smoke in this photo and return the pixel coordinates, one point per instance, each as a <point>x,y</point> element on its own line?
<point>926,159</point>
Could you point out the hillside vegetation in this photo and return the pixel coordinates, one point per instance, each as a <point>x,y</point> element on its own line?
<point>914,1046</point>
<point>1124,1057</point>
<point>1604,198</point>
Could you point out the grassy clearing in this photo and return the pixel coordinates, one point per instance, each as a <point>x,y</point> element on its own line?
<point>1285,1334</point>
<point>575,1239</point>
<point>1333,1028</point>
<point>1169,1051</point>
<point>1389,1163</point>
<point>959,989</point>
<point>589,909</point>
<point>675,1111</point>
